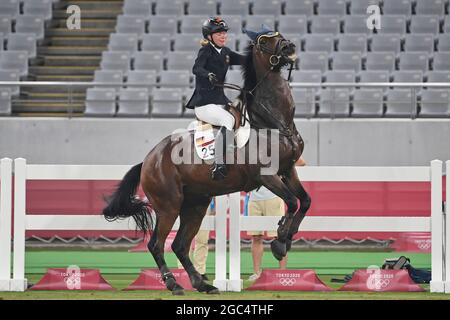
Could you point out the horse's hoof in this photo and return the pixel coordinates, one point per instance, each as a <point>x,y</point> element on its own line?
<point>209,289</point>
<point>213,291</point>
<point>278,249</point>
<point>178,292</point>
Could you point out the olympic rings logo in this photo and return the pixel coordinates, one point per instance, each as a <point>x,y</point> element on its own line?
<point>287,282</point>
<point>423,244</point>
<point>375,283</point>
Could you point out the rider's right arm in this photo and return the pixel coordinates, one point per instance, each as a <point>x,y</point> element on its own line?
<point>200,63</point>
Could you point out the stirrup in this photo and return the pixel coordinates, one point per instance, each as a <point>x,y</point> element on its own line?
<point>218,171</point>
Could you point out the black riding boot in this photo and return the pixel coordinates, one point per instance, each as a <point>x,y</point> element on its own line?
<point>224,144</point>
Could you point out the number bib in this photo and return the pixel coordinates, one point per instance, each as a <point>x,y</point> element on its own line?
<point>204,141</point>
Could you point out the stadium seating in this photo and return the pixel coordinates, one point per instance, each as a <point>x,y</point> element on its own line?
<point>5,101</point>
<point>100,102</point>
<point>133,102</point>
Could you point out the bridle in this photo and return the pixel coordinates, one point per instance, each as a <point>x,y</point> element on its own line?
<point>275,54</point>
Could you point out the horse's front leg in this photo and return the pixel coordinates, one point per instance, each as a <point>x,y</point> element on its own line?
<point>278,187</point>
<point>295,186</point>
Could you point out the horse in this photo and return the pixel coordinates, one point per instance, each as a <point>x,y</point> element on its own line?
<point>186,190</point>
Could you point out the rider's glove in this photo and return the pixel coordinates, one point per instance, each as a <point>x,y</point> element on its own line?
<point>212,78</point>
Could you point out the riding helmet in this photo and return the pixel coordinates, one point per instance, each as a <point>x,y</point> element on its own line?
<point>213,25</point>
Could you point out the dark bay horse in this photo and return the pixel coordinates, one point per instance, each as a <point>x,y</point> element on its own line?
<point>185,190</point>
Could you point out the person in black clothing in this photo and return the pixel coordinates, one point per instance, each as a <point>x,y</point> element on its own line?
<point>209,100</point>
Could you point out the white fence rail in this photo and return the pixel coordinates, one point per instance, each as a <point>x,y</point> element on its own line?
<point>225,205</point>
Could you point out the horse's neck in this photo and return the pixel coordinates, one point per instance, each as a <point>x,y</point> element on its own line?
<point>272,93</point>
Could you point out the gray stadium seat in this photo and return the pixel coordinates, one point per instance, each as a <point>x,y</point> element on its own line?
<point>141,8</point>
<point>419,42</point>
<point>167,103</point>
<point>118,60</point>
<point>346,61</point>
<point>325,24</point>
<point>192,24</point>
<point>408,76</point>
<point>39,8</point>
<point>171,7</point>
<point>393,24</point>
<point>319,42</point>
<point>100,102</point>
<point>435,103</point>
<point>30,24</point>
<point>337,7</point>
<point>133,102</point>
<point>156,42</point>
<point>235,77</point>
<point>352,42</point>
<point>234,7</point>
<point>447,24</point>
<point>380,61</point>
<point>176,78</point>
<point>203,7</point>
<point>109,77</point>
<point>123,42</point>
<point>141,79</point>
<point>293,24</point>
<point>360,6</point>
<point>334,103</point>
<point>10,75</point>
<point>425,24</point>
<point>374,76</point>
<point>22,42</point>
<point>262,7</point>
<point>130,24</point>
<point>187,42</point>
<point>164,24</point>
<point>367,103</point>
<point>441,61</point>
<point>444,43</point>
<point>386,42</point>
<point>5,101</point>
<point>356,24</point>
<point>14,60</point>
<point>340,76</point>
<point>254,22</point>
<point>304,100</point>
<point>314,61</point>
<point>309,76</point>
<point>413,61</point>
<point>399,103</point>
<point>402,7</point>
<point>181,60</point>
<point>10,8</point>
<point>5,24</point>
<point>148,60</point>
<point>430,7</point>
<point>438,76</point>
<point>305,7</point>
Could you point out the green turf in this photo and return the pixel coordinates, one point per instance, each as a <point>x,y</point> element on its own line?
<point>121,268</point>
<point>331,262</point>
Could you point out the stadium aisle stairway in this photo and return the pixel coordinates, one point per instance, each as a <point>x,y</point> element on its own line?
<point>68,55</point>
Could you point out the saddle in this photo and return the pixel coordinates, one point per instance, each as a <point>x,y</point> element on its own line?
<point>204,137</point>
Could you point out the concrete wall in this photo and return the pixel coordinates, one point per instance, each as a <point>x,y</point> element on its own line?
<point>377,142</point>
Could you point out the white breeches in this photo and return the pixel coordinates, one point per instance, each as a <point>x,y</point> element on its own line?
<point>216,115</point>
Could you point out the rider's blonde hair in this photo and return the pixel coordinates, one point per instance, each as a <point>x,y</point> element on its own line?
<point>204,42</point>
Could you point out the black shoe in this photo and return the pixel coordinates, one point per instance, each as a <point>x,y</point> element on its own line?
<point>219,171</point>
<point>204,277</point>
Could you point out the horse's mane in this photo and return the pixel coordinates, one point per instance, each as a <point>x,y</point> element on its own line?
<point>249,73</point>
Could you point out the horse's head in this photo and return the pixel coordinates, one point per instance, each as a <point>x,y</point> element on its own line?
<point>273,50</point>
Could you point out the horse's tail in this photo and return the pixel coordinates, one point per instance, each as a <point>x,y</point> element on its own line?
<point>123,203</point>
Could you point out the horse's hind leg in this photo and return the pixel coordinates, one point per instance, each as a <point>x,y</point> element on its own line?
<point>166,216</point>
<point>191,216</point>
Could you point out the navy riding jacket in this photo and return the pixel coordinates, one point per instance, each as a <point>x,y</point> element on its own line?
<point>210,60</point>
